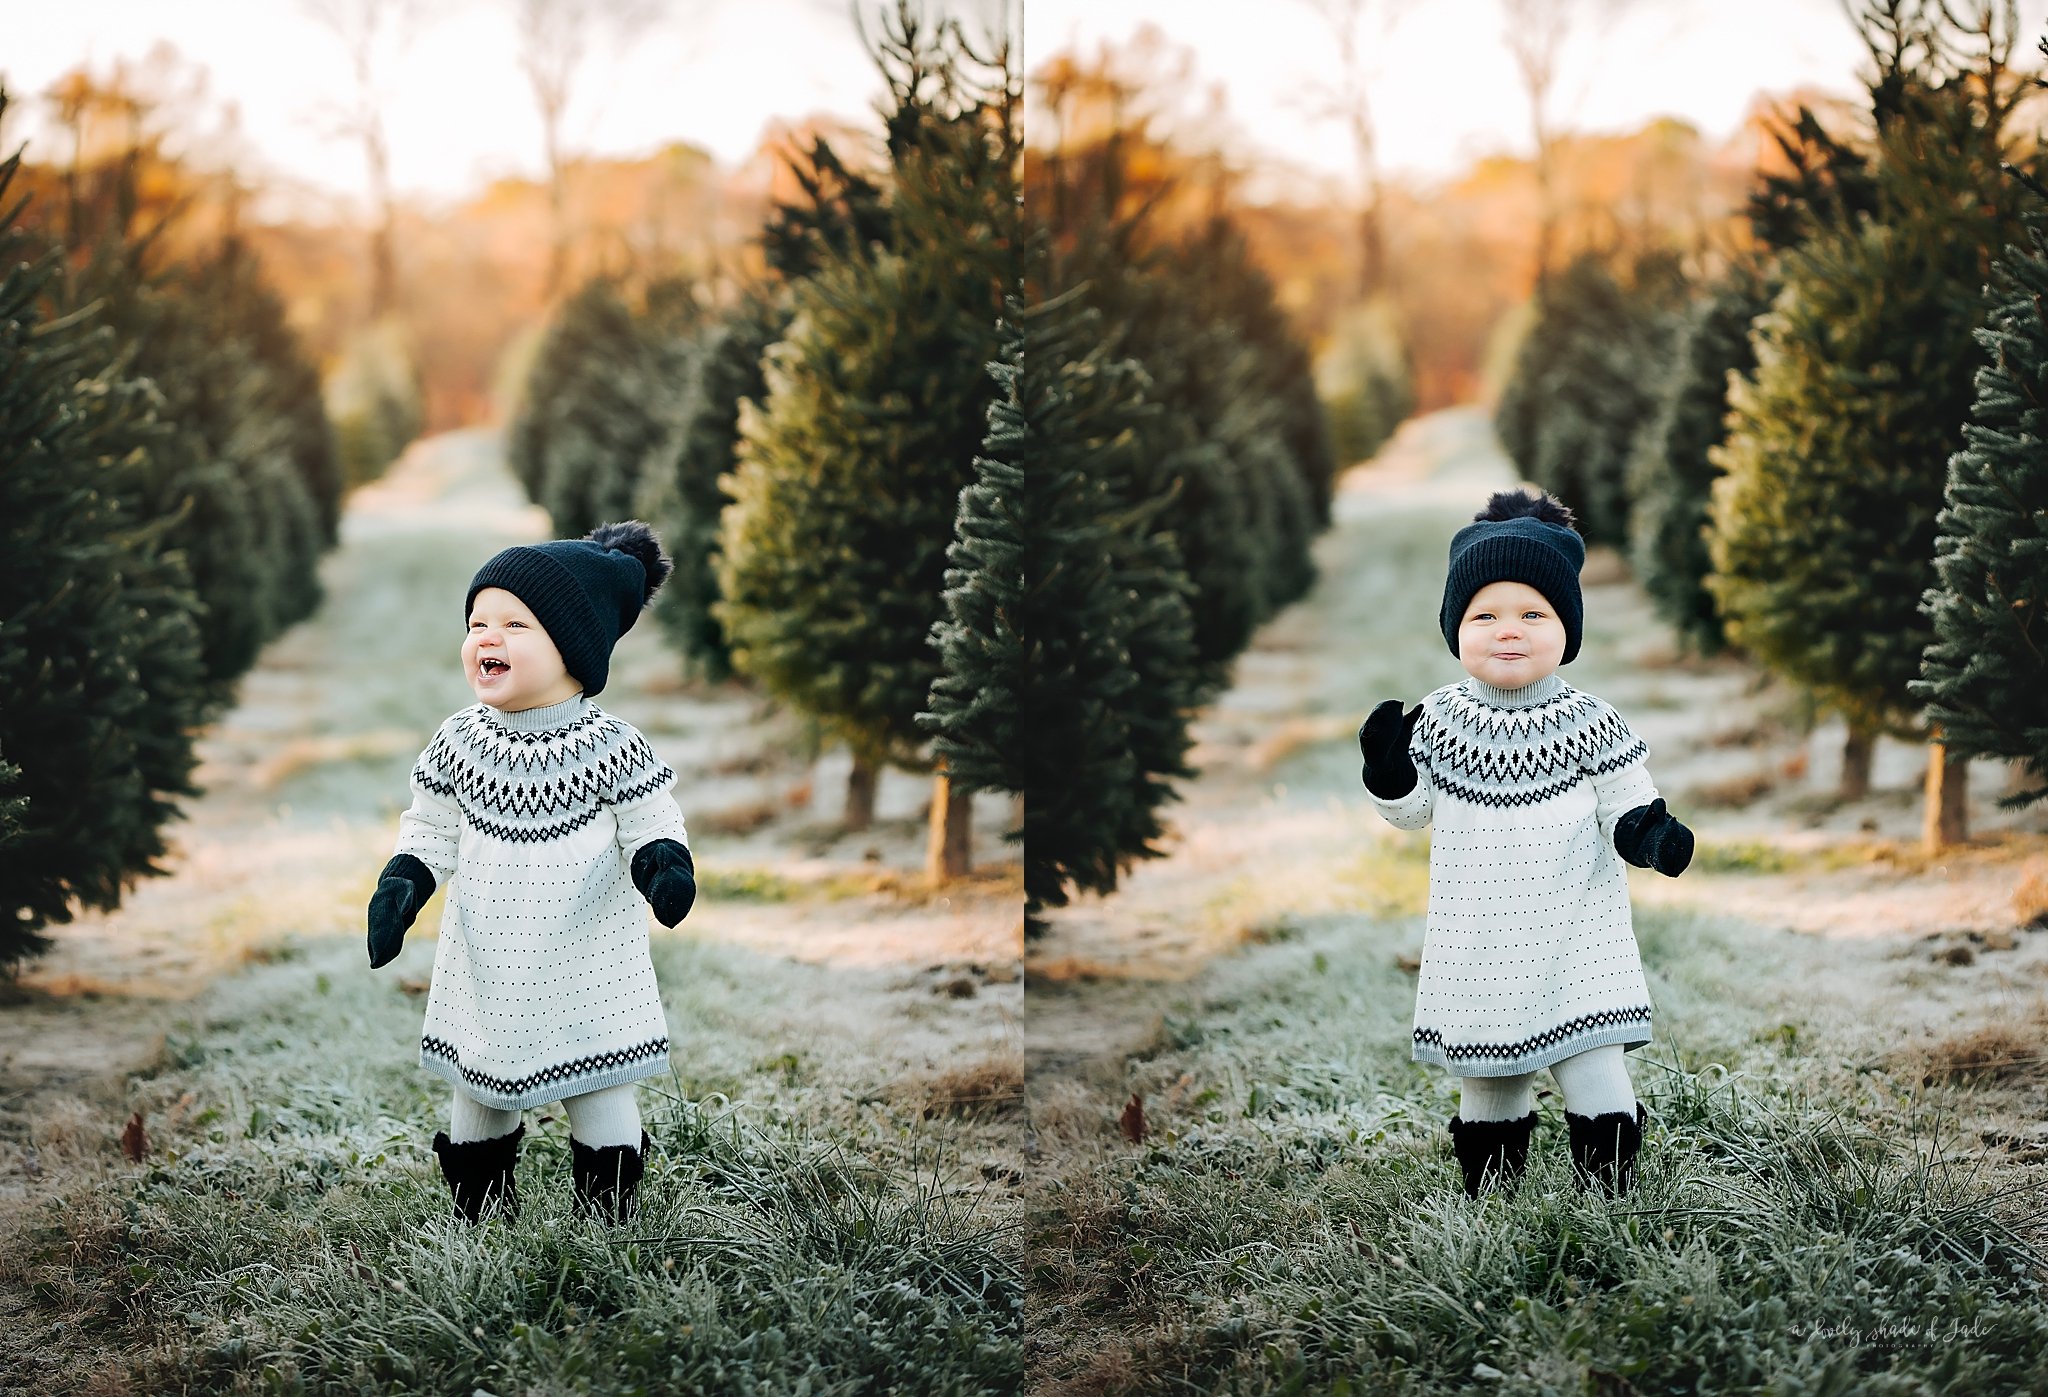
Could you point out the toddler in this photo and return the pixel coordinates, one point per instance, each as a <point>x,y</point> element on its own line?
<point>1537,792</point>
<point>549,813</point>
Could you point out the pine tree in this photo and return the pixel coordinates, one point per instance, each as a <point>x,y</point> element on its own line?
<point>1585,381</point>
<point>834,548</point>
<point>1823,525</point>
<point>101,684</point>
<point>1984,677</point>
<point>1670,477</point>
<point>597,406</point>
<point>1885,363</point>
<point>724,370</point>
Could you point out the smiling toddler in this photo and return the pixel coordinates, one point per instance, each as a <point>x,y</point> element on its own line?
<point>1537,792</point>
<point>554,818</point>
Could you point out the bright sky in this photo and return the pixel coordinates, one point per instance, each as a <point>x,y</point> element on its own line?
<point>1444,88</point>
<point>458,112</point>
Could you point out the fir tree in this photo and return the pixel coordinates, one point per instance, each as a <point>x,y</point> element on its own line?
<point>832,555</point>
<point>1984,676</point>
<point>1585,381</point>
<point>833,551</point>
<point>223,497</point>
<point>841,213</point>
<point>1670,478</point>
<point>724,371</point>
<point>1070,666</point>
<point>596,407</point>
<point>1823,525</point>
<point>1873,385</point>
<point>101,685</point>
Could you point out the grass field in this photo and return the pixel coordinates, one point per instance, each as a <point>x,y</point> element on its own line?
<point>1809,1218</point>
<point>814,1218</point>
<point>831,1198</point>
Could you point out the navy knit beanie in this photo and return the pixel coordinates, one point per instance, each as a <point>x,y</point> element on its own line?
<point>585,592</point>
<point>1518,537</point>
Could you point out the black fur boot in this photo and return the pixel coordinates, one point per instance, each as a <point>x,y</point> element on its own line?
<point>480,1172</point>
<point>1492,1149</point>
<point>1604,1148</point>
<point>607,1177</point>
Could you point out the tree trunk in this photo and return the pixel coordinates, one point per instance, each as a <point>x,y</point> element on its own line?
<point>1857,752</point>
<point>860,794</point>
<point>948,856</point>
<point>1945,818</point>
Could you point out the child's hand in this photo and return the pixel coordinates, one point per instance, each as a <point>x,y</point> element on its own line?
<point>667,877</point>
<point>1649,838</point>
<point>402,889</point>
<point>1383,740</point>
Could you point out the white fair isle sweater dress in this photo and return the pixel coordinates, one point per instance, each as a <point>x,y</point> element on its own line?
<point>1529,956</point>
<point>542,987</point>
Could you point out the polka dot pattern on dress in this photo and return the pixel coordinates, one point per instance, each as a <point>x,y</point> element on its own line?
<point>543,986</point>
<point>1529,953</point>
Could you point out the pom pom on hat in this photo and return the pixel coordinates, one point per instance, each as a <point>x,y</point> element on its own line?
<point>636,539</point>
<point>1520,504</point>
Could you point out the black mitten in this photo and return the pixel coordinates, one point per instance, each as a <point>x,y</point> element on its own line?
<point>402,889</point>
<point>1383,739</point>
<point>1649,838</point>
<point>667,877</point>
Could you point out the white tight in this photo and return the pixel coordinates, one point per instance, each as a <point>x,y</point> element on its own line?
<point>597,1118</point>
<point>1594,1083</point>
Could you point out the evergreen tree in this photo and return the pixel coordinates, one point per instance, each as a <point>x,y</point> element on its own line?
<point>597,406</point>
<point>1827,184</point>
<point>232,468</point>
<point>101,681</point>
<point>833,551</point>
<point>1983,677</point>
<point>1872,388</point>
<point>1364,381</point>
<point>724,370</point>
<point>832,555</point>
<point>1823,525</point>
<point>1670,476</point>
<point>1238,501</point>
<point>375,400</point>
<point>1585,381</point>
<point>841,213</point>
<point>1070,666</point>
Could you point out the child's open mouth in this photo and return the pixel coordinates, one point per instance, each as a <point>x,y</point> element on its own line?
<point>491,671</point>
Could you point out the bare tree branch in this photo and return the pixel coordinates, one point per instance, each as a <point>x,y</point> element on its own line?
<point>554,39</point>
<point>373,34</point>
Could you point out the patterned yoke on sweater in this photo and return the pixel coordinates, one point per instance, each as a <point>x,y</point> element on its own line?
<point>543,987</point>
<point>1529,955</point>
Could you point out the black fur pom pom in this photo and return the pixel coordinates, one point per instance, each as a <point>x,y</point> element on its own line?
<point>632,536</point>
<point>1520,504</point>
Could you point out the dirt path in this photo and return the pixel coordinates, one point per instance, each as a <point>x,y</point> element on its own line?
<point>305,778</point>
<point>1273,833</point>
